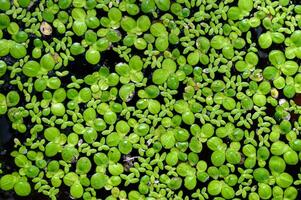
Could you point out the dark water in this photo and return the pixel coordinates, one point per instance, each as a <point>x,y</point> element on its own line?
<point>5,131</point>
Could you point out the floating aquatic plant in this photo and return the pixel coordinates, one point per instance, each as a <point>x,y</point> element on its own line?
<point>151,99</point>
